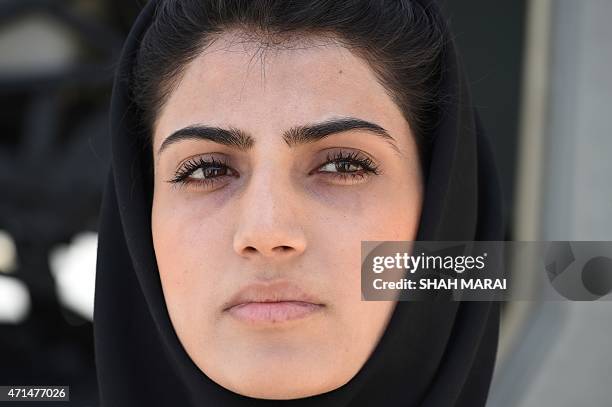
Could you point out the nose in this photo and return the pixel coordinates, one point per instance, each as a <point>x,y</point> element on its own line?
<point>269,225</point>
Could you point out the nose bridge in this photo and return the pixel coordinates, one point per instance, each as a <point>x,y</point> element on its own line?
<point>266,190</point>
<point>268,193</point>
<point>269,223</point>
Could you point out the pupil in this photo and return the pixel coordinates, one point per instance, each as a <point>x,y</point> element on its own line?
<point>343,166</point>
<point>212,172</point>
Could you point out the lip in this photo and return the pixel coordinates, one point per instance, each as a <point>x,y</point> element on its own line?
<point>272,303</point>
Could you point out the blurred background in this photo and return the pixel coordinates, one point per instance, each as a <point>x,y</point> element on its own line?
<point>539,71</point>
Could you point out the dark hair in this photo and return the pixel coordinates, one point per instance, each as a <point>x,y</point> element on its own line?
<point>403,41</point>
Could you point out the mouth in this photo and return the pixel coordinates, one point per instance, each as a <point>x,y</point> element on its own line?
<point>272,303</point>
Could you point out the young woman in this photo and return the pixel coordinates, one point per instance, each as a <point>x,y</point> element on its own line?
<point>255,145</point>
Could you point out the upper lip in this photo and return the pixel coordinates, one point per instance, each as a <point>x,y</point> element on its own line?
<point>278,291</point>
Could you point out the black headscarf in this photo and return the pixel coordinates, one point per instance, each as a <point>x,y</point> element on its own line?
<point>432,354</point>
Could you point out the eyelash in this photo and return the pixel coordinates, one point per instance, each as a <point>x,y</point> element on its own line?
<point>368,167</point>
<point>181,177</point>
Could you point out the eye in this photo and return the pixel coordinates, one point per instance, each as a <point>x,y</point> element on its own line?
<point>348,166</point>
<point>340,166</point>
<point>209,172</point>
<point>204,172</point>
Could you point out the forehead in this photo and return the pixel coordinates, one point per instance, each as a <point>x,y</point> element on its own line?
<point>265,89</point>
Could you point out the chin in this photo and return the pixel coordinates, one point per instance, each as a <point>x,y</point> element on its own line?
<point>280,381</point>
<point>281,388</point>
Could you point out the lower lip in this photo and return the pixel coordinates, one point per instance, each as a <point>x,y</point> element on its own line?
<point>273,312</point>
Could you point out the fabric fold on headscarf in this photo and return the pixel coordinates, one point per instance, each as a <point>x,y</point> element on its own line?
<point>432,354</point>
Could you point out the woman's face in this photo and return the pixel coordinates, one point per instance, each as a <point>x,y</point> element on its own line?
<point>271,166</point>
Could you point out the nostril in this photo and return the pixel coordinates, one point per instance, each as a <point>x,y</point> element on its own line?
<point>277,249</point>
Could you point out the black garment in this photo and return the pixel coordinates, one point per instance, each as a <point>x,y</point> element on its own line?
<point>432,354</point>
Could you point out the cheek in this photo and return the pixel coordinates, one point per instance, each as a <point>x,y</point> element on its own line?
<point>388,212</point>
<point>357,325</point>
<point>189,256</point>
<point>183,237</point>
<point>383,212</point>
<point>391,211</point>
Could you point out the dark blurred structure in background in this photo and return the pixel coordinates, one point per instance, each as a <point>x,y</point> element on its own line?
<point>55,77</point>
<point>537,69</point>
<point>490,36</point>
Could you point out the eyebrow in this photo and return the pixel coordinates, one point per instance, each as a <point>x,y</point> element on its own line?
<point>295,136</point>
